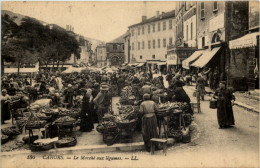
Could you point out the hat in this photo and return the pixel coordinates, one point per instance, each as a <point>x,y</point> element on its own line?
<point>4,90</point>
<point>148,83</point>
<point>69,85</point>
<point>146,96</point>
<point>199,75</point>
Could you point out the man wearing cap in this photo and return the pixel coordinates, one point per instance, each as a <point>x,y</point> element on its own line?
<point>149,120</point>
<point>102,102</point>
<point>146,89</point>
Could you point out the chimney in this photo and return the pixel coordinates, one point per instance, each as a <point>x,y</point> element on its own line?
<point>157,13</point>
<point>144,18</point>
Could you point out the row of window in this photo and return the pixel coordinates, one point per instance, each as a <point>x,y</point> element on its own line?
<point>153,56</point>
<point>153,43</point>
<point>202,8</point>
<point>152,28</point>
<point>191,31</point>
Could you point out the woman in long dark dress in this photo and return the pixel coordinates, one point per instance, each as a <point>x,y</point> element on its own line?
<point>87,121</point>
<point>5,106</point>
<point>225,100</point>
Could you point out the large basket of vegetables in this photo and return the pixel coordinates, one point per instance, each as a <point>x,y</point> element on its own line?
<point>126,124</point>
<point>106,126</point>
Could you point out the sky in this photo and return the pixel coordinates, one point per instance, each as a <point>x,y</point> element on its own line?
<point>99,20</point>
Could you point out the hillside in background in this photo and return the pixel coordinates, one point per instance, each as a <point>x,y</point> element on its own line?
<point>19,17</point>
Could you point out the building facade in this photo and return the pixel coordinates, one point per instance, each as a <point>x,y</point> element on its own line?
<point>149,39</point>
<point>244,53</point>
<point>101,56</point>
<point>186,35</point>
<point>116,51</point>
<point>127,47</point>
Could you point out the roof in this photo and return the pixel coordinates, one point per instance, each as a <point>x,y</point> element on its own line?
<point>163,16</point>
<point>119,39</point>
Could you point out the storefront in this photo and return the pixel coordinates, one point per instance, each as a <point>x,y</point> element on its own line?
<point>244,62</point>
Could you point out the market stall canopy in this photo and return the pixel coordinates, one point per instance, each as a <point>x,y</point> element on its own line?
<point>161,63</point>
<point>193,57</point>
<point>205,58</point>
<point>140,64</point>
<point>249,40</point>
<point>73,69</point>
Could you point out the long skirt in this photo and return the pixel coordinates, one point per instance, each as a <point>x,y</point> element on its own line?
<point>5,111</point>
<point>149,130</point>
<point>225,113</point>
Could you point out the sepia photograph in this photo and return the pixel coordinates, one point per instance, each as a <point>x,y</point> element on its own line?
<point>129,84</point>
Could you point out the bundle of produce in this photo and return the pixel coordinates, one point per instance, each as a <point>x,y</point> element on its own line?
<point>43,144</point>
<point>64,120</point>
<point>107,126</point>
<point>49,111</point>
<point>127,92</point>
<point>10,131</point>
<point>126,101</point>
<point>66,142</point>
<point>181,105</point>
<point>126,121</point>
<point>68,112</point>
<point>175,133</point>
<point>125,109</point>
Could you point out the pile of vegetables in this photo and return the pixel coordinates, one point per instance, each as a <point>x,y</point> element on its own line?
<point>64,119</point>
<point>106,125</point>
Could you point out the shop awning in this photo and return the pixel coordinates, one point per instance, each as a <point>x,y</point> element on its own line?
<point>205,58</point>
<point>140,64</point>
<point>193,57</point>
<point>161,63</point>
<point>249,40</point>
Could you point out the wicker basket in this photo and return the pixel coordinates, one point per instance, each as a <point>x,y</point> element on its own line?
<point>41,147</point>
<point>127,125</point>
<point>66,144</point>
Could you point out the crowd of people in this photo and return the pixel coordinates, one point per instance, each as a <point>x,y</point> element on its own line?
<point>93,92</point>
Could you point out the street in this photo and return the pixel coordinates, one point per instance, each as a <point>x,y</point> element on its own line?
<point>237,146</point>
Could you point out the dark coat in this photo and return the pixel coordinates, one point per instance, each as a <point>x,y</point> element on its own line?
<point>224,107</point>
<point>87,121</point>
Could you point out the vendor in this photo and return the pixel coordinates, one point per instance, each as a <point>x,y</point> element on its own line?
<point>179,95</point>
<point>87,120</point>
<point>102,102</point>
<point>5,106</point>
<point>69,93</point>
<point>149,120</point>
